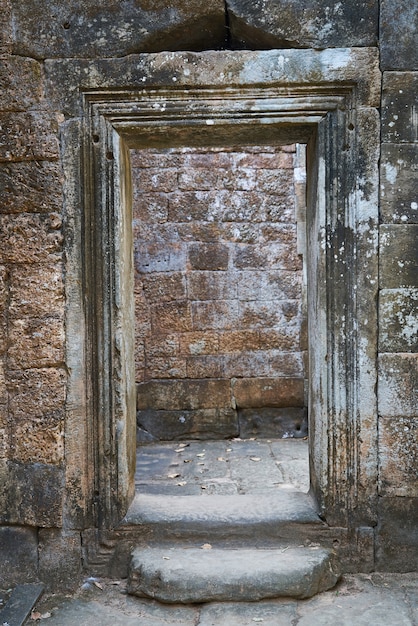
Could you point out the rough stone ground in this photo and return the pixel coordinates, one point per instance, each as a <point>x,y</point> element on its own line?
<point>226,467</point>
<point>363,600</point>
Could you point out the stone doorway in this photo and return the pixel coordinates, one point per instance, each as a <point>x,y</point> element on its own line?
<point>324,100</point>
<point>220,297</point>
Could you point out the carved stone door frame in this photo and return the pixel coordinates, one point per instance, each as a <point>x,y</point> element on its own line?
<point>327,100</point>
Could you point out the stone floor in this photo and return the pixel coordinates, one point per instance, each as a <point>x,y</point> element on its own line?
<point>223,467</point>
<point>363,600</point>
<point>236,467</point>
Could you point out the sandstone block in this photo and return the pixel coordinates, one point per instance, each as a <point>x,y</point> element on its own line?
<point>269,285</point>
<point>171,317</point>
<point>306,24</point>
<point>398,256</point>
<point>30,187</point>
<point>200,179</point>
<point>171,367</point>
<point>248,257</point>
<point>36,393</point>
<point>29,238</point>
<point>150,207</point>
<point>114,30</point>
<point>163,179</point>
<point>186,206</point>
<point>399,183</point>
<point>398,314</point>
<point>267,363</point>
<point>6,28</point>
<point>209,256</point>
<point>285,339</point>
<point>163,287</point>
<point>214,315</point>
<point>184,394</point>
<point>59,558</point>
<point>199,342</point>
<point>160,346</point>
<point>204,232</point>
<point>398,29</point>
<point>398,385</point>
<point>238,341</point>
<point>273,422</point>
<point>35,495</point>
<point>395,545</point>
<point>398,449</point>
<point>205,366</point>
<point>268,392</point>
<point>205,285</point>
<point>18,555</point>
<point>16,73</point>
<point>158,256</point>
<point>38,440</point>
<point>399,97</point>
<point>36,291</point>
<point>200,424</point>
<point>31,136</point>
<point>35,342</point>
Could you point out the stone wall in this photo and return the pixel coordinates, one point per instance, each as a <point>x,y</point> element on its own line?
<point>220,331</point>
<point>39,470</point>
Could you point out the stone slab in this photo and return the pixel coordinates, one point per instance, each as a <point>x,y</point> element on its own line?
<point>184,394</point>
<point>396,535</point>
<point>398,449</point>
<point>398,320</point>
<point>28,136</point>
<point>220,516</point>
<point>268,392</point>
<point>398,385</point>
<point>20,604</point>
<point>111,29</point>
<point>399,183</point>
<point>15,76</point>
<point>198,424</point>
<point>398,256</point>
<point>195,575</point>
<point>399,97</point>
<point>398,30</point>
<point>303,24</point>
<point>266,613</point>
<point>272,422</point>
<point>18,555</point>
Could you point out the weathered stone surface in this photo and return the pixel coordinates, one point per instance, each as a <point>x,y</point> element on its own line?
<point>34,495</point>
<point>247,575</point>
<point>65,78</point>
<point>399,183</point>
<point>36,343</point>
<point>31,187</point>
<point>36,392</point>
<point>268,392</point>
<point>269,363</point>
<point>21,602</point>
<point>273,422</point>
<point>28,136</point>
<point>208,256</point>
<point>399,97</point>
<point>398,451</point>
<point>197,424</point>
<point>163,287</point>
<point>208,285</point>
<point>398,29</point>
<point>398,256</point>
<point>398,385</point>
<point>27,238</point>
<point>18,555</point>
<point>396,535</point>
<point>6,27</point>
<point>166,367</point>
<point>59,558</point>
<point>305,24</point>
<point>111,29</point>
<point>398,326</point>
<point>200,342</point>
<point>184,394</point>
<point>15,76</point>
<point>36,291</point>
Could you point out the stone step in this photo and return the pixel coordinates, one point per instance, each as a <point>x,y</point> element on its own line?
<point>284,515</point>
<point>181,575</point>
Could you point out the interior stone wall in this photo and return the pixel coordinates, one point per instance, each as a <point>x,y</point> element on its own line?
<point>36,478</point>
<point>220,328</point>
